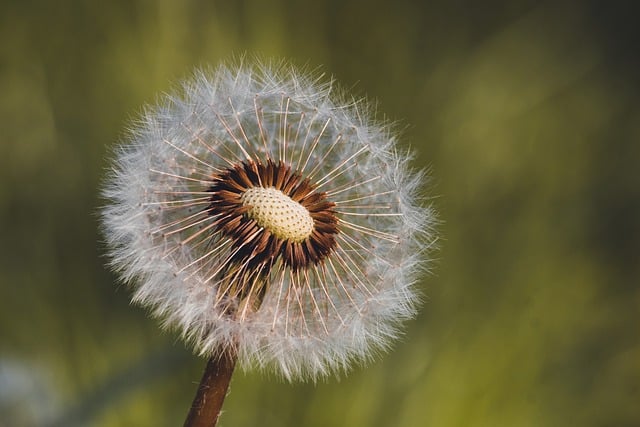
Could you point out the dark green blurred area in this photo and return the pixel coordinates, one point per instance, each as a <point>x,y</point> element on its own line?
<point>528,116</point>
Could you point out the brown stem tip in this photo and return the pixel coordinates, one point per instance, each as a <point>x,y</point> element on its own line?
<point>212,390</point>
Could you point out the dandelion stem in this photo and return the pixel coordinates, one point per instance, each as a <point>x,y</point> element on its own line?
<point>212,390</point>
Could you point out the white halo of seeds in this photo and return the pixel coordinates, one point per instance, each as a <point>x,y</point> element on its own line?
<point>163,240</point>
<point>278,213</point>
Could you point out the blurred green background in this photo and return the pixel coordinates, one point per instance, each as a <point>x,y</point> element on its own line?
<point>527,114</point>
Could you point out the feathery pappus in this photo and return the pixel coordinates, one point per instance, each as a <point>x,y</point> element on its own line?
<point>257,210</point>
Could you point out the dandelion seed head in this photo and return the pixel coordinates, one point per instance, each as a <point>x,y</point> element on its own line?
<point>257,210</point>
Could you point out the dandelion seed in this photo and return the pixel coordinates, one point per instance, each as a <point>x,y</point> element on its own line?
<point>269,221</point>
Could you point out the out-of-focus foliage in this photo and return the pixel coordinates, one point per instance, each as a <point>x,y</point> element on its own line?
<point>528,115</point>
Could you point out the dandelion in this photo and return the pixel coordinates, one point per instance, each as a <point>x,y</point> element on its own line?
<point>269,222</point>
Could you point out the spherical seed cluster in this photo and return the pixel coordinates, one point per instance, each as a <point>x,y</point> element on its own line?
<point>278,213</point>
<point>257,211</point>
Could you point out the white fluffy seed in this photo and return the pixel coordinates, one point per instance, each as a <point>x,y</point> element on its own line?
<point>275,211</point>
<point>164,239</point>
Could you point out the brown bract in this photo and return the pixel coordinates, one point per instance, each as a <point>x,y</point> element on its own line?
<point>256,249</point>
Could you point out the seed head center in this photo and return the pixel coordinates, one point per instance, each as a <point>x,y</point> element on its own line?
<point>278,213</point>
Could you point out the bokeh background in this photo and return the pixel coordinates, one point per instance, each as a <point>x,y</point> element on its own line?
<point>527,114</point>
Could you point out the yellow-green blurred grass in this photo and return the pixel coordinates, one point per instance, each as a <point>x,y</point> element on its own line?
<point>531,133</point>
